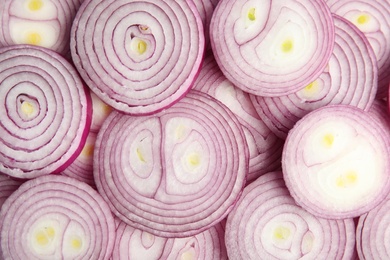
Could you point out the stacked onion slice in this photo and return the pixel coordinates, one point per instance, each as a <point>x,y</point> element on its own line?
<point>7,187</point>
<point>266,223</point>
<point>272,48</point>
<point>56,217</point>
<point>335,162</point>
<point>176,173</point>
<point>46,112</point>
<point>138,56</point>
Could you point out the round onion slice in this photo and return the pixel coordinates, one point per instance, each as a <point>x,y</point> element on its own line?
<point>138,56</point>
<point>56,217</point>
<point>175,173</point>
<point>351,78</point>
<point>272,48</point>
<point>373,19</point>
<point>335,162</point>
<point>267,224</point>
<point>46,112</point>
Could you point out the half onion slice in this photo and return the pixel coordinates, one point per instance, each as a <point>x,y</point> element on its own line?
<point>175,173</point>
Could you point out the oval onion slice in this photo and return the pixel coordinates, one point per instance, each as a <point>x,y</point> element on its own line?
<point>335,162</point>
<point>46,112</point>
<point>56,217</point>
<point>267,224</point>
<point>175,173</point>
<point>272,48</point>
<point>138,56</point>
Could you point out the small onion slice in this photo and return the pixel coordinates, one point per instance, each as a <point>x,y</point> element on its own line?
<point>56,217</point>
<point>175,173</point>
<point>267,224</point>
<point>272,48</point>
<point>138,56</point>
<point>335,162</point>
<point>7,186</point>
<point>46,112</point>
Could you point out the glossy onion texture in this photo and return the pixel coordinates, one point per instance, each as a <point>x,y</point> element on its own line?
<point>46,112</point>
<point>138,56</point>
<point>176,173</point>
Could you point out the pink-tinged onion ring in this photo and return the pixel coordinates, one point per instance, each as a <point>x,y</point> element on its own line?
<point>373,19</point>
<point>350,78</point>
<point>138,56</point>
<point>335,162</point>
<point>46,112</point>
<point>100,112</point>
<point>265,149</point>
<point>272,48</point>
<point>267,224</point>
<point>56,217</point>
<point>7,187</point>
<point>175,173</point>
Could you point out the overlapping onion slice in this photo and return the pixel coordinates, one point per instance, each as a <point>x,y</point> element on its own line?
<point>56,217</point>
<point>46,112</point>
<point>351,78</point>
<point>267,224</point>
<point>272,48</point>
<point>373,19</point>
<point>265,148</point>
<point>138,56</point>
<point>7,187</point>
<point>335,162</point>
<point>175,173</point>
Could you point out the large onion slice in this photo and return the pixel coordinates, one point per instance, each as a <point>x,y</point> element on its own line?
<point>56,217</point>
<point>335,162</point>
<point>138,56</point>
<point>46,112</point>
<point>175,173</point>
<point>272,48</point>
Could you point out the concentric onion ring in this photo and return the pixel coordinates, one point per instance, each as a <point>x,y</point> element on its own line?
<point>7,187</point>
<point>47,112</point>
<point>138,56</point>
<point>176,173</point>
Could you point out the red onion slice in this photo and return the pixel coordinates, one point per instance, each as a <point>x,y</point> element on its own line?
<point>176,173</point>
<point>272,48</point>
<point>56,217</point>
<point>7,187</point>
<point>47,112</point>
<point>267,224</point>
<point>335,162</point>
<point>351,78</point>
<point>138,56</point>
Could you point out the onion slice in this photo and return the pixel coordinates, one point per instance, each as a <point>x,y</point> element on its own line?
<point>7,186</point>
<point>175,173</point>
<point>335,162</point>
<point>138,56</point>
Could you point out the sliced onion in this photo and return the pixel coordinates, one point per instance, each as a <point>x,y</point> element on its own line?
<point>7,187</point>
<point>138,56</point>
<point>46,112</point>
<point>351,78</point>
<point>267,224</point>
<point>176,173</point>
<point>56,217</point>
<point>272,48</point>
<point>335,162</point>
<point>265,149</point>
<point>100,112</point>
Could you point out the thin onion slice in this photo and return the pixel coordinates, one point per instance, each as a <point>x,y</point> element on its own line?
<point>138,56</point>
<point>175,173</point>
<point>267,224</point>
<point>56,217</point>
<point>272,48</point>
<point>335,162</point>
<point>7,186</point>
<point>46,112</point>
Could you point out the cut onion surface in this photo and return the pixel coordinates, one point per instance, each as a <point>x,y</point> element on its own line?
<point>46,112</point>
<point>373,19</point>
<point>351,78</point>
<point>266,223</point>
<point>175,173</point>
<point>7,186</point>
<point>335,162</point>
<point>265,148</point>
<point>138,56</point>
<point>272,48</point>
<point>56,217</point>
